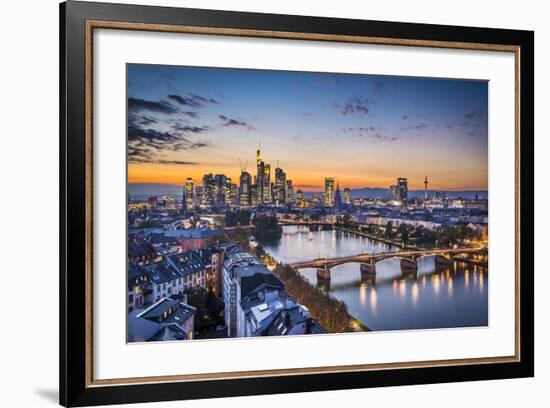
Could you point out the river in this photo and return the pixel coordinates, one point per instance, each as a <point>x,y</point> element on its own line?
<point>442,297</point>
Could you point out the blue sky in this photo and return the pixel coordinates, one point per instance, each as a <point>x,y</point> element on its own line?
<point>364,130</point>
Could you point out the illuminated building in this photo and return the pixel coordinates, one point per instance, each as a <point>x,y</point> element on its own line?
<point>221,189</point>
<point>426,189</point>
<point>329,191</point>
<point>253,194</point>
<point>394,195</point>
<point>209,189</point>
<point>169,202</point>
<point>279,191</point>
<point>337,199</point>
<point>233,194</point>
<point>267,184</point>
<point>402,189</point>
<point>245,188</point>
<point>259,178</point>
<point>300,198</point>
<point>289,192</point>
<point>152,201</point>
<point>347,196</point>
<point>315,198</point>
<point>198,196</point>
<point>189,193</point>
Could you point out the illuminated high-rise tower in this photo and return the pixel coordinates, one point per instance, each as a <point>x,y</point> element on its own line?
<point>279,191</point>
<point>426,188</point>
<point>245,188</point>
<point>337,198</point>
<point>267,184</point>
<point>329,191</point>
<point>189,196</point>
<point>402,189</point>
<point>347,196</point>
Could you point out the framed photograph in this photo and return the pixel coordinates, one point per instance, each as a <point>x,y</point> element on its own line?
<point>257,204</point>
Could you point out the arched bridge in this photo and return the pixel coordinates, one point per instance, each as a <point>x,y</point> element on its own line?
<point>368,262</point>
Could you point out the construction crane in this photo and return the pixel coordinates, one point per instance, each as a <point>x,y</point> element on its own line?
<point>243,169</point>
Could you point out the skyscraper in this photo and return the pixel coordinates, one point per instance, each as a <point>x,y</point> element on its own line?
<point>425,189</point>
<point>152,201</point>
<point>259,178</point>
<point>300,198</point>
<point>347,196</point>
<point>189,192</point>
<point>245,190</point>
<point>402,189</point>
<point>221,189</point>
<point>329,191</point>
<point>233,194</point>
<point>394,195</point>
<point>183,200</point>
<point>267,184</point>
<point>209,189</point>
<point>199,196</point>
<point>337,198</point>
<point>280,187</point>
<point>289,192</point>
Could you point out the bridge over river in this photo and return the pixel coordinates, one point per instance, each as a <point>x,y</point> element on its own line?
<point>408,259</point>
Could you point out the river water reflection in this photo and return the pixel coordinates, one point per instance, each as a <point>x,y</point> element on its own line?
<point>454,296</point>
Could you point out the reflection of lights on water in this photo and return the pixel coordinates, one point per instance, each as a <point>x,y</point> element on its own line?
<point>436,284</point>
<point>363,294</point>
<point>394,286</point>
<point>450,287</point>
<point>467,278</point>
<point>373,300</point>
<point>403,288</point>
<point>424,280</point>
<point>475,279</point>
<point>414,293</point>
<point>481,282</point>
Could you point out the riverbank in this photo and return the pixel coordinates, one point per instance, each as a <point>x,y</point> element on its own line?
<point>408,247</point>
<point>357,326</point>
<point>332,314</point>
<point>376,238</point>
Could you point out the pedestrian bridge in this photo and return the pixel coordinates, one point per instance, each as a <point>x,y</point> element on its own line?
<point>408,259</point>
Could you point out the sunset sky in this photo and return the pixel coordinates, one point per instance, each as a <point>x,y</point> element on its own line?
<point>363,130</point>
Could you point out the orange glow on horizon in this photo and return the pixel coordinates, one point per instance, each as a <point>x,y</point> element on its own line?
<point>306,181</point>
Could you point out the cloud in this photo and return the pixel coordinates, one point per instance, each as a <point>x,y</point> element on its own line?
<point>203,99</point>
<point>192,100</point>
<point>355,106</point>
<point>138,105</point>
<point>189,129</point>
<point>420,126</point>
<point>227,122</point>
<point>178,162</point>
<point>375,133</point>
<point>146,144</point>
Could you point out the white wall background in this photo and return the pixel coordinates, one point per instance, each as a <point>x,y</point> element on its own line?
<point>29,204</point>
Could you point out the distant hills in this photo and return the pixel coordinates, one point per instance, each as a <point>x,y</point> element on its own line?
<point>368,192</point>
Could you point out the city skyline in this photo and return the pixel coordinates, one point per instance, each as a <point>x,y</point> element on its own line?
<point>362,130</point>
